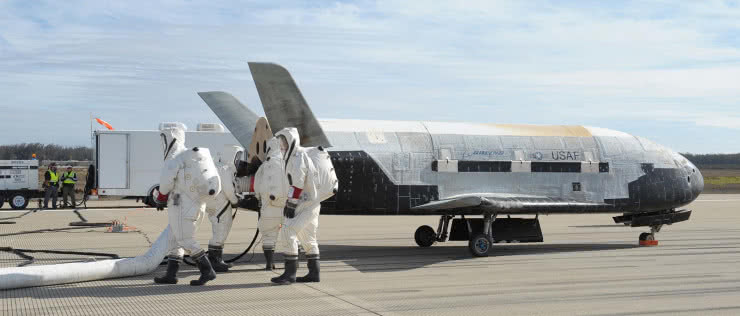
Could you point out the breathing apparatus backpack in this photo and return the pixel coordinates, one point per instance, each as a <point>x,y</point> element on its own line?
<point>326,182</point>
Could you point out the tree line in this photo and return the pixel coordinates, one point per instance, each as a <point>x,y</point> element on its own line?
<point>44,152</point>
<point>714,161</point>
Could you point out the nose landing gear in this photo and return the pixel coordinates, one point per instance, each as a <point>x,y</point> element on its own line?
<point>655,220</point>
<point>648,239</point>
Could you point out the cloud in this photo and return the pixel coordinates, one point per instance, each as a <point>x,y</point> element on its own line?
<point>137,63</point>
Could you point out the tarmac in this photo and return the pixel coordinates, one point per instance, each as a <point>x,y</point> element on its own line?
<point>372,266</point>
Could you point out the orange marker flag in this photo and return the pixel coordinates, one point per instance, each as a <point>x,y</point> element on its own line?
<point>104,123</point>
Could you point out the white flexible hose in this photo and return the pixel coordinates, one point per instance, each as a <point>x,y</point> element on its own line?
<point>30,276</point>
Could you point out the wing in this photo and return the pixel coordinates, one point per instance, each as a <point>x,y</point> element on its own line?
<point>478,203</point>
<point>284,104</point>
<point>239,119</point>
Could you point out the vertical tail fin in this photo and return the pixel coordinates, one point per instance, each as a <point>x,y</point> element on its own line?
<point>239,119</point>
<point>284,104</point>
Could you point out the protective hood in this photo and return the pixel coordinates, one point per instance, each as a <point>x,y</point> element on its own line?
<point>273,149</point>
<point>173,141</point>
<point>294,140</point>
<point>231,154</point>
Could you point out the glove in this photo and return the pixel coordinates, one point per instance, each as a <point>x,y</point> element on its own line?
<point>289,210</point>
<point>250,202</point>
<point>162,201</point>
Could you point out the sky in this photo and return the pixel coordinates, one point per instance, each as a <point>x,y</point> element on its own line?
<point>665,70</point>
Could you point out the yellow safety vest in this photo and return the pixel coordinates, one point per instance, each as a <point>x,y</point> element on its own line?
<point>68,177</point>
<point>54,178</point>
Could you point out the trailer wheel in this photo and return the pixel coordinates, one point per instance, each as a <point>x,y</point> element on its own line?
<point>18,201</point>
<point>151,198</point>
<point>2,201</point>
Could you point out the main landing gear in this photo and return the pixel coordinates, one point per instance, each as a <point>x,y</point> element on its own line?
<point>479,241</point>
<point>425,235</point>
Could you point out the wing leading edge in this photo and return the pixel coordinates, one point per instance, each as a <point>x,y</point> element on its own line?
<point>477,203</point>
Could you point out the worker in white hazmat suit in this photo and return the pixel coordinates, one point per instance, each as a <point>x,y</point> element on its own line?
<point>271,186</point>
<point>305,192</point>
<point>188,180</point>
<point>220,209</point>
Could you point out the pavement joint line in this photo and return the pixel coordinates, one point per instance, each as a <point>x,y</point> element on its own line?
<point>328,290</point>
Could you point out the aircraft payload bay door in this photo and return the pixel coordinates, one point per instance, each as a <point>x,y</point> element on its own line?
<point>113,161</point>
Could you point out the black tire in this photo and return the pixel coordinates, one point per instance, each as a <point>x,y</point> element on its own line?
<point>647,237</point>
<point>480,245</point>
<point>18,201</point>
<point>425,236</point>
<point>2,201</point>
<point>150,199</point>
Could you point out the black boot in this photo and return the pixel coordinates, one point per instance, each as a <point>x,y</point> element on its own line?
<point>288,276</point>
<point>170,276</point>
<point>269,263</point>
<point>206,271</point>
<point>215,256</point>
<point>313,271</point>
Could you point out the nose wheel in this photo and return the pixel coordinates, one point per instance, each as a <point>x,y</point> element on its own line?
<point>648,239</point>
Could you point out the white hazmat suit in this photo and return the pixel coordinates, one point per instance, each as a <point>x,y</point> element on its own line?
<point>305,192</point>
<point>271,186</point>
<point>188,180</point>
<point>220,208</point>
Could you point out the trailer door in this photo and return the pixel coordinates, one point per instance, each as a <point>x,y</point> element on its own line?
<point>113,161</point>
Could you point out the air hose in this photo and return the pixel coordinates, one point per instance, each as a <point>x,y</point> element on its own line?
<point>30,259</point>
<point>186,259</point>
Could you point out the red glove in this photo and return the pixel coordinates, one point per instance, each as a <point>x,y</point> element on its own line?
<point>162,201</point>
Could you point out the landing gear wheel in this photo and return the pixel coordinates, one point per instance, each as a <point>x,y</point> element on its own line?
<point>425,236</point>
<point>647,237</point>
<point>479,245</point>
<point>18,201</point>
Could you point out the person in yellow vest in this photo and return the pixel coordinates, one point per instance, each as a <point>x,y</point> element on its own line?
<point>51,184</point>
<point>69,179</point>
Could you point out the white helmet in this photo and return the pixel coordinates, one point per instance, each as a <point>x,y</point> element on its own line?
<point>231,154</point>
<point>173,141</point>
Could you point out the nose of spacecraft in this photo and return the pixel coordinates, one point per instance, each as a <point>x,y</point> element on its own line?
<point>697,181</point>
<point>695,178</point>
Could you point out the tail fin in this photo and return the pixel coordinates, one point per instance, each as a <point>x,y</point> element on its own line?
<point>239,119</point>
<point>284,104</point>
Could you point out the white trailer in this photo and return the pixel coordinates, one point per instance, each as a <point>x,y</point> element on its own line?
<point>128,163</point>
<point>19,182</point>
